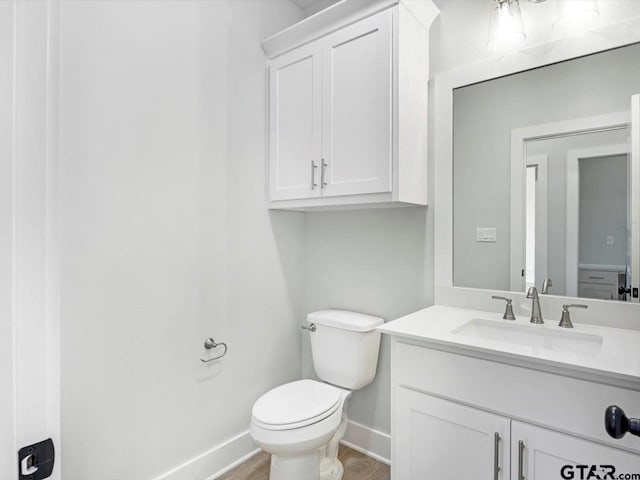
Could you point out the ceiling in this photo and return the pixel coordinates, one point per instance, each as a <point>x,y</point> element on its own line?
<point>309,7</point>
<point>460,32</point>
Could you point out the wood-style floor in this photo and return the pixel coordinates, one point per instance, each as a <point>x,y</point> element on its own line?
<point>356,467</point>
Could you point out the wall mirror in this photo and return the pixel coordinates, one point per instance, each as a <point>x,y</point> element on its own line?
<point>546,190</point>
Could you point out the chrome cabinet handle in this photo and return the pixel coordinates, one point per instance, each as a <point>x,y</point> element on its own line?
<point>520,460</point>
<point>496,455</point>
<point>313,175</point>
<point>322,174</point>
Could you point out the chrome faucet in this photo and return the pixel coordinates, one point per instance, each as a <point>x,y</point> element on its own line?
<point>565,320</point>
<point>508,312</point>
<point>545,286</point>
<point>536,314</point>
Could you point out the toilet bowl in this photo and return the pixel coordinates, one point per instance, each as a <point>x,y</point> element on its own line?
<point>301,423</point>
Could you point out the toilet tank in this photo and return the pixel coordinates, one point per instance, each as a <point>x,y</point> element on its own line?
<point>345,347</point>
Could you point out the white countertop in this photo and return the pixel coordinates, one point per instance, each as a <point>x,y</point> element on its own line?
<point>616,361</point>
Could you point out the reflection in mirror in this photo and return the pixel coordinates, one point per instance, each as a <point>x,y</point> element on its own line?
<point>580,243</point>
<point>542,179</point>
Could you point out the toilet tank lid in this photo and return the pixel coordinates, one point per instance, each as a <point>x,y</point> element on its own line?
<point>354,321</point>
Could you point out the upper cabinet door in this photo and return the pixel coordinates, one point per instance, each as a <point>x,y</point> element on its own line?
<point>295,118</point>
<point>357,107</point>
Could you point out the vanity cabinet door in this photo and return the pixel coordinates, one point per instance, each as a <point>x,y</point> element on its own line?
<point>541,454</point>
<point>438,439</point>
<point>357,108</point>
<point>295,124</point>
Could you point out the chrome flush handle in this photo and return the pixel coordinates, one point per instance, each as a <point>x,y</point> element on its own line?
<point>311,327</point>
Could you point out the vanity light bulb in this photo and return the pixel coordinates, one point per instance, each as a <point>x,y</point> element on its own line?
<point>575,15</point>
<point>506,29</point>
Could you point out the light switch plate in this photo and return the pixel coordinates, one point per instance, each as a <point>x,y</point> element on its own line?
<point>486,234</point>
<point>609,240</point>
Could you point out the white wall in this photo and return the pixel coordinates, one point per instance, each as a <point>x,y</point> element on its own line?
<point>7,407</point>
<point>166,236</point>
<point>603,210</point>
<point>372,261</point>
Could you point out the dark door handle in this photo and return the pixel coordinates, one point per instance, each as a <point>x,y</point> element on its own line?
<point>622,290</point>
<point>617,424</point>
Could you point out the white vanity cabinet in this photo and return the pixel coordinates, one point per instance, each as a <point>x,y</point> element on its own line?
<point>546,453</point>
<point>348,92</point>
<point>478,412</point>
<point>437,438</point>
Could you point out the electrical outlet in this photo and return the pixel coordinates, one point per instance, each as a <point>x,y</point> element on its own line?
<point>609,240</point>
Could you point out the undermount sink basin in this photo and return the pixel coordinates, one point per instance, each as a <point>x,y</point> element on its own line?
<point>530,335</point>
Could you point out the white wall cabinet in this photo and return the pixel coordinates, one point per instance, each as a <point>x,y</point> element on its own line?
<point>348,108</point>
<point>356,107</point>
<point>295,119</point>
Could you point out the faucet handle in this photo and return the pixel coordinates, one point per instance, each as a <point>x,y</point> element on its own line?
<point>508,313</point>
<point>565,319</point>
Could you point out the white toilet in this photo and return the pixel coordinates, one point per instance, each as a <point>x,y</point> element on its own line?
<point>301,423</point>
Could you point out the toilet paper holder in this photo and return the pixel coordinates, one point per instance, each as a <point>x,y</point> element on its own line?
<point>209,344</point>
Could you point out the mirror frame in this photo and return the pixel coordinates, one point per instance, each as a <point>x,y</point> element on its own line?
<point>445,293</point>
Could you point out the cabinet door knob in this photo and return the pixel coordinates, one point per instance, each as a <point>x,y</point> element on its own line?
<point>617,424</point>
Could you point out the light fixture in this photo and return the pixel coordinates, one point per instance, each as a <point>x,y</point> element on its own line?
<point>506,29</point>
<point>575,15</point>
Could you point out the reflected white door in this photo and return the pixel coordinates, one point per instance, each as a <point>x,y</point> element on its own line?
<point>29,337</point>
<point>536,224</point>
<point>634,234</point>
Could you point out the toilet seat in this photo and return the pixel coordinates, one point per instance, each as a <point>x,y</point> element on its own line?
<point>297,404</point>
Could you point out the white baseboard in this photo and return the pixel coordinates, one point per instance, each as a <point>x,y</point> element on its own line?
<point>215,462</point>
<point>373,443</point>
<point>220,459</point>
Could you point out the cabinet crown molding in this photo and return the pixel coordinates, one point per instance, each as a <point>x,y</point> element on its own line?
<point>337,16</point>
